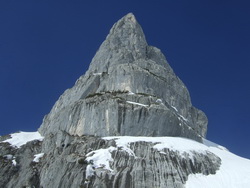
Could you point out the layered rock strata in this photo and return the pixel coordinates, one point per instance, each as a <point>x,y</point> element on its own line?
<point>129,89</point>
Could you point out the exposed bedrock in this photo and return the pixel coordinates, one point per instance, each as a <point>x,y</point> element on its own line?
<point>129,89</point>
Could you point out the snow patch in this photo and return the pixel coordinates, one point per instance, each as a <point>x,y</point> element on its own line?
<point>14,163</point>
<point>98,73</point>
<point>8,157</point>
<point>123,143</point>
<point>174,108</point>
<point>38,157</point>
<point>101,158</point>
<point>21,138</point>
<point>183,118</point>
<point>140,104</point>
<point>90,171</point>
<point>12,158</point>
<point>158,101</point>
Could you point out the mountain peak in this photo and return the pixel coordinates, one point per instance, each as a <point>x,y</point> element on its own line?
<point>125,43</point>
<point>129,90</point>
<point>130,17</point>
<point>128,24</point>
<point>115,128</point>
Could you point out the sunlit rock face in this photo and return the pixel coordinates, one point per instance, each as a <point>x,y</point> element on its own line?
<point>129,89</point>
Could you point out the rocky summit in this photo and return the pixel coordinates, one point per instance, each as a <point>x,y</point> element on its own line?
<point>127,122</point>
<point>129,90</point>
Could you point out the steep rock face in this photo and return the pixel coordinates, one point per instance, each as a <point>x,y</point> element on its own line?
<point>137,165</point>
<point>129,89</point>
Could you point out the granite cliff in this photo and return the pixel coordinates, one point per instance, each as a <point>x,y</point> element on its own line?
<point>128,90</point>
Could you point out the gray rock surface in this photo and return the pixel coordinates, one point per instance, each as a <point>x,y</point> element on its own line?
<point>118,94</point>
<point>129,89</point>
<point>65,166</point>
<point>17,168</point>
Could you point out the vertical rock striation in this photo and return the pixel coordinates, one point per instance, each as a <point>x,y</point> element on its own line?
<point>129,89</point>
<point>139,165</point>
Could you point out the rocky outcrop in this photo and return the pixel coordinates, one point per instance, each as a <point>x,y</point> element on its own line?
<point>140,164</point>
<point>129,89</point>
<point>17,168</point>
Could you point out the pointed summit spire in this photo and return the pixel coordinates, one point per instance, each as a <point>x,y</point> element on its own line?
<point>129,89</point>
<point>125,43</point>
<point>127,23</point>
<point>131,17</point>
<point>128,19</point>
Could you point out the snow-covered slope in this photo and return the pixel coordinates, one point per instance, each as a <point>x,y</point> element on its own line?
<point>234,171</point>
<point>21,138</point>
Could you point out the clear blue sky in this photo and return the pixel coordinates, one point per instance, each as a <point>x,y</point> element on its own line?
<point>46,45</point>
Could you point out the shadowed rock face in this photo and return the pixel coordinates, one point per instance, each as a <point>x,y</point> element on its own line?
<point>129,89</point>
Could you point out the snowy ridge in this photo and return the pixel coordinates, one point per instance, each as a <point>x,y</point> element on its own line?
<point>21,138</point>
<point>234,171</point>
<point>181,145</point>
